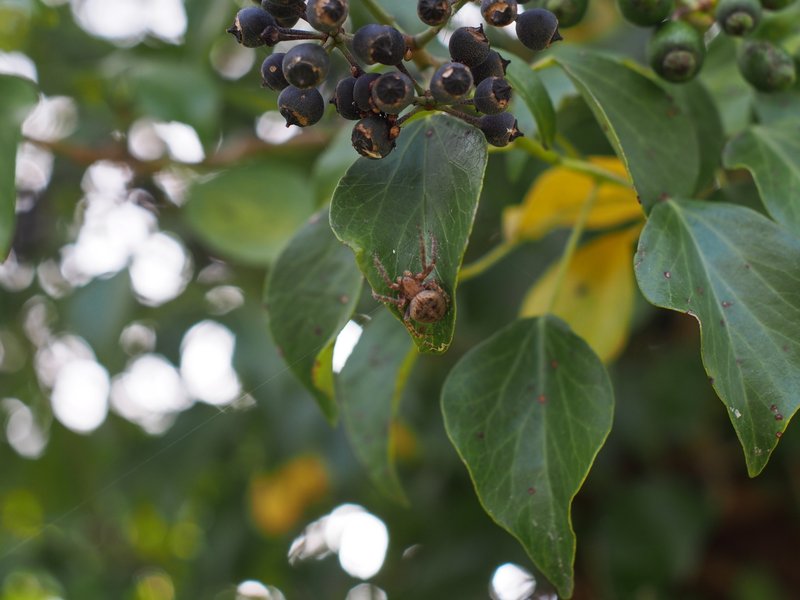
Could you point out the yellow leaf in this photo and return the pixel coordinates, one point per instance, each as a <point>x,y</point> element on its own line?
<point>556,198</point>
<point>596,296</point>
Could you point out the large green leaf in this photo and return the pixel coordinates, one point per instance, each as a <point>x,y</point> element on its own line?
<point>738,273</point>
<point>772,155</point>
<point>16,98</point>
<point>529,87</point>
<point>427,187</point>
<point>369,388</point>
<point>311,293</point>
<point>650,132</point>
<point>249,212</point>
<point>528,410</point>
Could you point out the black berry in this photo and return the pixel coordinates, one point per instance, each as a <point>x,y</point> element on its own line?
<point>766,67</point>
<point>306,65</point>
<point>676,51</point>
<point>738,17</point>
<point>362,91</point>
<point>372,137</point>
<point>494,66</point>
<point>499,12</point>
<point>301,107</point>
<point>286,15</point>
<point>451,83</point>
<point>645,13</point>
<point>537,28</point>
<point>343,99</point>
<point>492,95</point>
<point>499,129</point>
<point>433,12</point>
<point>392,92</point>
<point>249,24</point>
<point>326,15</point>
<point>379,44</point>
<point>272,72</point>
<point>469,45</point>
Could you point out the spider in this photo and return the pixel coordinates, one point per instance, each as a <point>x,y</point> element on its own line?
<point>424,301</point>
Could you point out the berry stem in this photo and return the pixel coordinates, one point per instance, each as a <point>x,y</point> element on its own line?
<point>487,261</point>
<point>474,121</point>
<point>379,13</point>
<point>421,39</point>
<point>402,68</point>
<point>355,68</point>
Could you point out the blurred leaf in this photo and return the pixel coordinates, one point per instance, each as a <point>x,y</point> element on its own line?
<point>311,293</point>
<point>17,97</point>
<point>772,155</point>
<point>332,164</point>
<point>529,87</point>
<point>777,106</point>
<point>732,95</point>
<point>556,198</point>
<point>528,410</point>
<point>249,212</point>
<point>650,133</point>
<point>369,389</point>
<point>596,296</point>
<point>738,273</point>
<point>429,185</point>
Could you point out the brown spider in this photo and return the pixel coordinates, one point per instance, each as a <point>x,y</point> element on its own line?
<point>424,301</point>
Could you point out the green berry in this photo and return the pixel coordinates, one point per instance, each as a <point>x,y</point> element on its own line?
<point>326,15</point>
<point>379,44</point>
<point>433,12</point>
<point>306,65</point>
<point>469,45</point>
<point>494,66</point>
<point>499,13</point>
<point>392,92</point>
<point>738,17</point>
<point>249,24</point>
<point>645,13</point>
<point>343,99</point>
<point>362,91</point>
<point>537,28</point>
<point>676,51</point>
<point>372,137</point>
<point>272,72</point>
<point>568,12</point>
<point>451,83</point>
<point>301,107</point>
<point>500,129</point>
<point>492,95</point>
<point>767,67</point>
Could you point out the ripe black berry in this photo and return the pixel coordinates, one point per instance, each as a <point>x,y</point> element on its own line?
<point>494,66</point>
<point>738,17</point>
<point>537,28</point>
<point>272,72</point>
<point>469,45</point>
<point>343,99</point>
<point>326,15</point>
<point>645,13</point>
<point>451,82</point>
<point>286,14</point>
<point>301,107</point>
<point>568,12</point>
<point>766,67</point>
<point>379,44</point>
<point>676,51</point>
<point>500,129</point>
<point>392,92</point>
<point>362,91</point>
<point>305,65</point>
<point>499,12</point>
<point>249,24</point>
<point>433,12</point>
<point>492,95</point>
<point>372,137</point>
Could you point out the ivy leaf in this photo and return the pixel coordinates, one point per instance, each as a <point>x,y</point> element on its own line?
<point>369,388</point>
<point>249,212</point>
<point>427,188</point>
<point>528,410</point>
<point>650,133</point>
<point>772,155</point>
<point>529,87</point>
<point>17,96</point>
<point>311,293</point>
<point>738,274</point>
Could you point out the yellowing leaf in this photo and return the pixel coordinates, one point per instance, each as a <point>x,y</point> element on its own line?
<point>556,198</point>
<point>596,296</point>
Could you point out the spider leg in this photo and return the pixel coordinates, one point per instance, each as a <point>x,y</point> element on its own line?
<point>382,271</point>
<point>399,302</point>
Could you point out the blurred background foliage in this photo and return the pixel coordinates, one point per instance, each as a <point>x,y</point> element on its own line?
<point>156,447</point>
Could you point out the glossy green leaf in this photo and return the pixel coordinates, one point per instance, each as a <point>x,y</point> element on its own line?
<point>738,274</point>
<point>311,293</point>
<point>528,410</point>
<point>369,388</point>
<point>17,96</point>
<point>428,188</point>
<point>248,213</point>
<point>529,87</point>
<point>772,155</point>
<point>649,131</point>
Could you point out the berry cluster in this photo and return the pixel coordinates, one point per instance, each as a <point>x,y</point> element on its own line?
<point>676,49</point>
<point>471,86</point>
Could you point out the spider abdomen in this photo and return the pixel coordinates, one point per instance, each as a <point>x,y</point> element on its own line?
<point>428,306</point>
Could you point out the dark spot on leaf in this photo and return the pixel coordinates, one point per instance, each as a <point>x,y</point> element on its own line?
<point>722,322</point>
<point>785,348</point>
<point>778,434</point>
<point>739,361</point>
<point>773,408</point>
<point>531,491</point>
<point>673,111</point>
<point>581,290</point>
<point>554,364</point>
<point>280,351</point>
<point>541,399</point>
<point>667,274</point>
<point>663,197</point>
<point>480,435</point>
<point>344,299</point>
<point>711,380</point>
<point>429,133</point>
<point>746,265</point>
<point>726,304</point>
<point>779,417</point>
<point>317,330</point>
<point>700,290</point>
